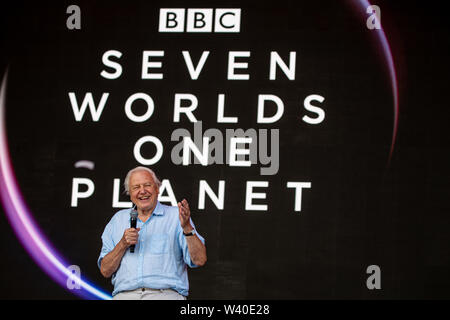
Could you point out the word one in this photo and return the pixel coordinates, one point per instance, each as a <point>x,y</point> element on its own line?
<point>199,20</point>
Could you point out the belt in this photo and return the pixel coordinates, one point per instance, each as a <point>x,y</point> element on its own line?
<point>150,289</point>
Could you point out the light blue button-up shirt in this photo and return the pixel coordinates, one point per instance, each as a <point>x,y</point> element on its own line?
<point>161,255</point>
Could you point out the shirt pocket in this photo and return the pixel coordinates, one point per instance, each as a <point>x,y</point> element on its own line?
<point>159,243</point>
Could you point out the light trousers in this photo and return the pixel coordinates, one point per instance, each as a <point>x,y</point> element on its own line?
<point>149,294</point>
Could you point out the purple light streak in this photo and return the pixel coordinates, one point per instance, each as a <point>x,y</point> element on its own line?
<point>26,230</point>
<point>387,53</point>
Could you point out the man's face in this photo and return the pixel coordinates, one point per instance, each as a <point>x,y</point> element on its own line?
<point>143,190</point>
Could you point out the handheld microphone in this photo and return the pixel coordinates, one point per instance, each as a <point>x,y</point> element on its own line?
<point>133,222</point>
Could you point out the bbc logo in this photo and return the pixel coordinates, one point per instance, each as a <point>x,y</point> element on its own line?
<point>199,20</point>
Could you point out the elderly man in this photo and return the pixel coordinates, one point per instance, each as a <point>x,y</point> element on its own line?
<point>165,241</point>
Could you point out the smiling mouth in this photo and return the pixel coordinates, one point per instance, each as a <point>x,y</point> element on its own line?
<point>144,198</point>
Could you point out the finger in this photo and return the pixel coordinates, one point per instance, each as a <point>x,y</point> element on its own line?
<point>131,231</point>
<point>132,240</point>
<point>182,207</point>
<point>182,216</point>
<point>185,204</point>
<point>133,234</point>
<point>185,213</point>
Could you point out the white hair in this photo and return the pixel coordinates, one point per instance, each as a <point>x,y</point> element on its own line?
<point>126,183</point>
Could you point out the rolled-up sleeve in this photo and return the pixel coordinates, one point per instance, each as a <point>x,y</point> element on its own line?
<point>107,243</point>
<point>184,247</point>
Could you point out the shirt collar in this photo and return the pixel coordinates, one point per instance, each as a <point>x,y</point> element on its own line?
<point>159,210</point>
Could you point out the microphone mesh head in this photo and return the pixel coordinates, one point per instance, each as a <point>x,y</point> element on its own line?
<point>134,214</point>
